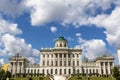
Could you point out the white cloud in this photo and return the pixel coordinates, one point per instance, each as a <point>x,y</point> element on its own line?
<point>64,11</point>
<point>10,44</point>
<point>2,61</point>
<point>112,25</point>
<point>12,7</point>
<point>7,27</point>
<point>15,45</point>
<point>78,34</point>
<point>53,29</point>
<point>92,48</point>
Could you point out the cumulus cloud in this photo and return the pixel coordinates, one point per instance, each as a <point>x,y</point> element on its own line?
<point>64,11</point>
<point>53,29</point>
<point>2,61</point>
<point>12,8</point>
<point>78,34</point>
<point>7,27</point>
<point>10,44</point>
<point>111,24</point>
<point>92,48</point>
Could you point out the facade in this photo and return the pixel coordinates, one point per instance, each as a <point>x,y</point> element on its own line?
<point>17,64</point>
<point>62,60</point>
<point>118,52</point>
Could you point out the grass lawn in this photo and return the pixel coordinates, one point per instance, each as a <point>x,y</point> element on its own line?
<point>72,78</point>
<point>92,78</point>
<point>33,78</point>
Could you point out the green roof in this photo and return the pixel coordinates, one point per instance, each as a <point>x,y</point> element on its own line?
<point>61,39</point>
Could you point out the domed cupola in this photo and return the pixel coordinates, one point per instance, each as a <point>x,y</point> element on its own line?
<point>61,42</point>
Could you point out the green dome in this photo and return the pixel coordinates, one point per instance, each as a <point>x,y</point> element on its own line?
<point>61,39</point>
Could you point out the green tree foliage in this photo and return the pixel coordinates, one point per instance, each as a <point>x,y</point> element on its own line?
<point>4,74</point>
<point>116,73</point>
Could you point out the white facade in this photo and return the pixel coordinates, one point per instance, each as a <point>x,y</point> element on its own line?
<point>118,52</point>
<point>62,60</point>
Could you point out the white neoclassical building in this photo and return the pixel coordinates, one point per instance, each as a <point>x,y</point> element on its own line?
<point>62,60</point>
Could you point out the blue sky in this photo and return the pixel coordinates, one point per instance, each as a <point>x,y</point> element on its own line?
<point>27,25</point>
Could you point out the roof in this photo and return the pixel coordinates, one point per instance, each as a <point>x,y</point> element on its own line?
<point>61,38</point>
<point>104,57</point>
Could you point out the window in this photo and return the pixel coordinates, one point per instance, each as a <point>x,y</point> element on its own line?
<point>52,63</point>
<point>90,71</point>
<point>69,71</point>
<point>60,63</point>
<point>77,63</point>
<point>52,55</point>
<point>47,63</point>
<point>68,55</point>
<point>64,71</point>
<point>31,71</point>
<point>47,71</point>
<point>73,55</point>
<point>56,63</point>
<point>78,71</point>
<point>28,71</point>
<point>93,71</point>
<point>43,55</point>
<point>34,70</point>
<point>64,55</point>
<point>77,55</point>
<point>60,71</point>
<point>43,63</point>
<point>74,63</point>
<point>38,71</point>
<point>64,45</point>
<point>69,63</point>
<point>56,55</point>
<point>60,45</point>
<point>60,55</point>
<point>47,55</point>
<point>55,71</point>
<point>51,71</point>
<point>43,71</point>
<point>64,63</point>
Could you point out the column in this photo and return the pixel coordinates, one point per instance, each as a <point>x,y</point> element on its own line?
<point>58,59</point>
<point>108,67</point>
<point>53,59</point>
<point>104,69</point>
<point>62,59</point>
<point>67,59</point>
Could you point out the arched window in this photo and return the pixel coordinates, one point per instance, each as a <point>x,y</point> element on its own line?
<point>65,45</point>
<point>60,71</point>
<point>90,71</point>
<point>69,71</point>
<point>38,71</point>
<point>47,71</point>
<point>28,71</point>
<point>78,71</point>
<point>31,71</point>
<point>34,70</point>
<point>64,71</point>
<point>93,71</point>
<point>43,71</point>
<point>55,71</point>
<point>60,45</point>
<point>51,71</point>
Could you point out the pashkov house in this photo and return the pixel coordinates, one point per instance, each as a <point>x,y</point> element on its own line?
<point>62,60</point>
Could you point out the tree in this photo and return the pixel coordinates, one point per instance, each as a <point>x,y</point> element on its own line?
<point>8,74</point>
<point>116,73</point>
<point>2,73</point>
